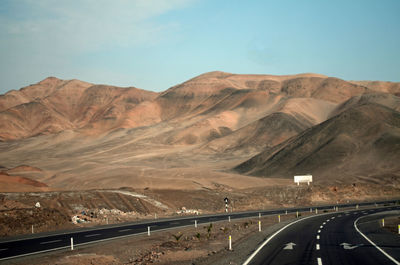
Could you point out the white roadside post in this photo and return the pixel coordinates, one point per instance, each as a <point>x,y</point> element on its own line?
<point>297,214</point>
<point>259,226</point>
<point>399,229</point>
<point>155,215</point>
<point>229,219</point>
<point>195,223</point>
<point>383,222</point>
<point>148,230</point>
<point>286,212</point>
<point>32,229</point>
<point>316,211</point>
<point>259,215</point>
<point>279,218</point>
<point>310,210</point>
<point>72,243</point>
<point>357,206</point>
<point>230,242</point>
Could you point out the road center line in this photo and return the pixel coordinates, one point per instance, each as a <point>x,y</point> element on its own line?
<point>124,230</point>
<point>92,235</point>
<point>271,237</point>
<point>49,242</point>
<point>319,261</point>
<point>3,249</point>
<point>372,243</point>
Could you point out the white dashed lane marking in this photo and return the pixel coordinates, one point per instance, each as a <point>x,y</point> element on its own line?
<point>49,242</point>
<point>124,230</point>
<point>92,235</point>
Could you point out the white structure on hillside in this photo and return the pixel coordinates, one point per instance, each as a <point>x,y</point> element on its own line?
<point>304,178</point>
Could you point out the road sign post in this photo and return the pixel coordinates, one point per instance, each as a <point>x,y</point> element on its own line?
<point>226,200</point>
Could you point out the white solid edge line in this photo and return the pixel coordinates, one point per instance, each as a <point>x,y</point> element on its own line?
<point>319,261</point>
<point>372,243</point>
<point>271,237</point>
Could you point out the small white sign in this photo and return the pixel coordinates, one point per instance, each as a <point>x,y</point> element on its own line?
<point>304,178</point>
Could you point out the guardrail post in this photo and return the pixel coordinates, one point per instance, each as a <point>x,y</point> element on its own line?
<point>72,243</point>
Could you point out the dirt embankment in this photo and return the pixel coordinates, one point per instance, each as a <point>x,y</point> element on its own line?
<point>65,210</point>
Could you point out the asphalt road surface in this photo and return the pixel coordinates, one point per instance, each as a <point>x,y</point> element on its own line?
<point>351,237</point>
<point>39,243</point>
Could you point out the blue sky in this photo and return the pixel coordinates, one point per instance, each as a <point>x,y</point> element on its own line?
<point>155,44</point>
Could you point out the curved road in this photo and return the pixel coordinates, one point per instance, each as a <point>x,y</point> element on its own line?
<point>334,238</point>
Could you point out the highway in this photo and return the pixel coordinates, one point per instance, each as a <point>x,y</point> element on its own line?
<point>39,243</point>
<point>351,237</point>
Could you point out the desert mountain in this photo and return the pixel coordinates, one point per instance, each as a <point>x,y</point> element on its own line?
<point>84,135</point>
<point>55,105</point>
<point>362,138</point>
